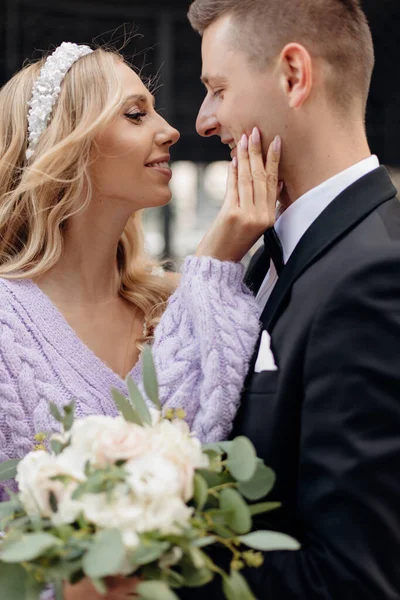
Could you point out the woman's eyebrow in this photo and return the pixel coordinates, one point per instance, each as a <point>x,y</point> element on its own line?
<point>141,98</point>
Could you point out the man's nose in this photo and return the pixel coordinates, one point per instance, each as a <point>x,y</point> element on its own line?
<point>207,123</point>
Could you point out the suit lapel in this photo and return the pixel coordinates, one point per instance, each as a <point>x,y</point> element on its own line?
<point>348,209</point>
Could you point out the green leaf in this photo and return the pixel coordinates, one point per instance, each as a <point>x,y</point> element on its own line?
<point>13,579</point>
<point>269,540</point>
<point>236,588</point>
<point>56,446</point>
<point>8,469</point>
<point>150,377</point>
<point>242,459</point>
<point>138,401</point>
<point>155,590</point>
<point>220,447</point>
<point>28,547</point>
<point>7,509</point>
<point>263,507</point>
<point>125,408</point>
<point>99,586</point>
<point>197,557</point>
<point>200,491</point>
<point>55,412</point>
<point>105,555</point>
<point>68,419</point>
<point>215,460</point>
<point>33,588</point>
<point>195,577</point>
<point>259,485</point>
<point>204,541</point>
<point>147,553</point>
<point>239,518</point>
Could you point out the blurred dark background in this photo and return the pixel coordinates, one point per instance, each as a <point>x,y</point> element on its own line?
<point>165,43</point>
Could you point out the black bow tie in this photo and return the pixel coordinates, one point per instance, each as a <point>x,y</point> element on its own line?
<point>273,248</point>
<point>258,269</point>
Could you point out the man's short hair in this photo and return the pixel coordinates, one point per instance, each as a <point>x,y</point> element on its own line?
<point>335,30</point>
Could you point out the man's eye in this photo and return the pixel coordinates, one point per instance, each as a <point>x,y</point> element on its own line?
<point>137,116</point>
<point>217,93</point>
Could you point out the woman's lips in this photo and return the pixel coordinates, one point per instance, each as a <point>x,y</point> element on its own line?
<point>162,167</point>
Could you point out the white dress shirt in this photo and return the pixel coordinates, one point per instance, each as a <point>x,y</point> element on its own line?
<point>292,224</point>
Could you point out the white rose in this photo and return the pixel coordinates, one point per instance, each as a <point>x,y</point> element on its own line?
<point>168,515</point>
<point>120,441</point>
<point>34,477</point>
<point>153,477</point>
<point>173,441</point>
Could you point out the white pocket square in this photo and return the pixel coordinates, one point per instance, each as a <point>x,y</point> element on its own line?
<point>265,359</point>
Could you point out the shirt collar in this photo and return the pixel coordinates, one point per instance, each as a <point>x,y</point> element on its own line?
<point>292,224</point>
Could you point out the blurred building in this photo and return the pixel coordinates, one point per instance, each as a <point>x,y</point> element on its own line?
<point>165,44</point>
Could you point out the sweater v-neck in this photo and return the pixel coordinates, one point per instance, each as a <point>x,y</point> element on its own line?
<point>53,326</point>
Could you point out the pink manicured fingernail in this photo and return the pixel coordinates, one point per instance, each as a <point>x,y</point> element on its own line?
<point>244,142</point>
<point>234,162</point>
<point>255,136</point>
<point>276,144</point>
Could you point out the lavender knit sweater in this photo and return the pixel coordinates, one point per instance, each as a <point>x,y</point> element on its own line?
<point>202,348</point>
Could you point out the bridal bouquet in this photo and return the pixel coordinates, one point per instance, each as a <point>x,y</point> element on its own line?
<point>133,495</point>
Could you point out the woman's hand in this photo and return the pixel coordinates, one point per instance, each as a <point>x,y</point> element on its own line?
<point>119,588</point>
<point>250,201</point>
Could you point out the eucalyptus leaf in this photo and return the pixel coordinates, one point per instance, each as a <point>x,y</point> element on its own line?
<point>242,459</point>
<point>215,460</point>
<point>28,547</point>
<point>58,589</point>
<point>13,579</point>
<point>33,588</point>
<point>55,412</point>
<point>146,554</point>
<point>150,377</point>
<point>56,446</point>
<point>68,419</point>
<point>200,491</point>
<point>213,478</point>
<point>99,586</point>
<point>197,557</point>
<point>7,509</point>
<point>269,540</point>
<point>195,577</point>
<point>138,401</point>
<point>8,469</point>
<point>105,555</point>
<point>220,447</point>
<point>239,518</point>
<point>222,531</point>
<point>155,590</point>
<point>263,507</point>
<point>238,587</point>
<point>205,541</point>
<point>125,408</point>
<point>259,485</point>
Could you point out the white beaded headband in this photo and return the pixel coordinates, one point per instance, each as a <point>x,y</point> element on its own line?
<point>47,87</point>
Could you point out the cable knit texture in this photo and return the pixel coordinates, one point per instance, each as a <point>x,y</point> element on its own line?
<point>202,348</point>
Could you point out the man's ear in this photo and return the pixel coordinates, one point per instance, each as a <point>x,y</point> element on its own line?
<point>296,74</point>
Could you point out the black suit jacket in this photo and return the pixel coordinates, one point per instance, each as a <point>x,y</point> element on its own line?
<point>328,421</point>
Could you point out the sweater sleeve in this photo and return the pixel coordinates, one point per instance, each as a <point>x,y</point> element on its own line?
<point>16,425</point>
<point>204,343</point>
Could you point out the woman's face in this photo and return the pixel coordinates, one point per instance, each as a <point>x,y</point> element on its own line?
<point>131,162</point>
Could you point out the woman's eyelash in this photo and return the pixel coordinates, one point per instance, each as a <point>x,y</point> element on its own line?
<point>137,116</point>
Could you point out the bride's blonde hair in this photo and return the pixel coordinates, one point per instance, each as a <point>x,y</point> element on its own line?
<point>38,198</point>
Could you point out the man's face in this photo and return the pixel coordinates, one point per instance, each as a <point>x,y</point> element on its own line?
<point>239,96</point>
